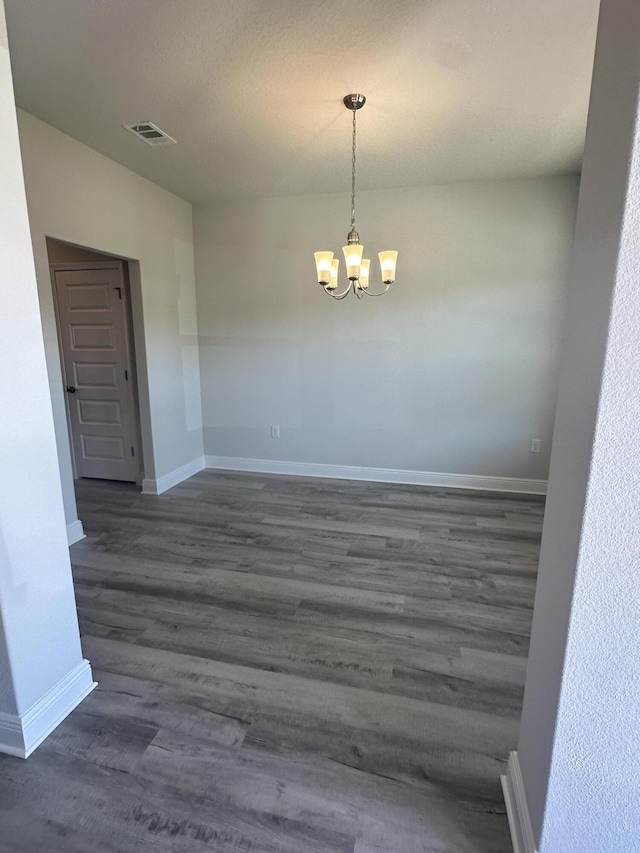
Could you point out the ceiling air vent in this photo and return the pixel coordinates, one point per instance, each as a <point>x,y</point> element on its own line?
<point>150,133</point>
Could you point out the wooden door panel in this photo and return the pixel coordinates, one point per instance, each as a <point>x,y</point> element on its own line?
<point>92,319</point>
<point>88,297</point>
<point>89,375</point>
<point>99,412</point>
<point>86,337</point>
<point>103,448</point>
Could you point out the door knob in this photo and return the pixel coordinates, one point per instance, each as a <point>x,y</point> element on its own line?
<point>71,389</point>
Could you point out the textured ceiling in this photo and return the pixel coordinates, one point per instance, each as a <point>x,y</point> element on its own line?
<point>252,89</point>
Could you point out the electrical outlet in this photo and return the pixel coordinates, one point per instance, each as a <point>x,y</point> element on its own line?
<point>535,445</point>
<point>275,431</point>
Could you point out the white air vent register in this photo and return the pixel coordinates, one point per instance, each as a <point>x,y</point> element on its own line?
<point>150,133</point>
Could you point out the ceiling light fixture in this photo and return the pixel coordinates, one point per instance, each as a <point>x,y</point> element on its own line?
<point>357,266</point>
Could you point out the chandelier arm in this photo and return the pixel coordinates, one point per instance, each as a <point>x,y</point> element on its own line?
<point>366,291</point>
<point>339,295</point>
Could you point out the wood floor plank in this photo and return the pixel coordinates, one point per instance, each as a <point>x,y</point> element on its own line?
<point>326,792</point>
<point>98,808</point>
<point>380,733</point>
<point>287,665</point>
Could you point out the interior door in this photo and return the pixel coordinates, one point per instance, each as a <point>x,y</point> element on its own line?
<point>97,374</point>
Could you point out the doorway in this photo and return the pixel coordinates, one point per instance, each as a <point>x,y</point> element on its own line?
<point>92,302</point>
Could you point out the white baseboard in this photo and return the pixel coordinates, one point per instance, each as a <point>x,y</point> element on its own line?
<point>75,532</point>
<point>517,811</point>
<point>379,475</point>
<point>21,734</point>
<point>168,481</point>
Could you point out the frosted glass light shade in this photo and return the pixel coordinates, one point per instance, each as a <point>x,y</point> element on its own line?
<point>388,262</point>
<point>323,266</point>
<point>364,273</point>
<point>335,263</point>
<point>353,259</point>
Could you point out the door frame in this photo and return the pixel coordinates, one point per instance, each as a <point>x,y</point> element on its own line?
<point>121,266</point>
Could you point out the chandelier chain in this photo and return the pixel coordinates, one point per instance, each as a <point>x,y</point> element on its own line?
<point>353,173</point>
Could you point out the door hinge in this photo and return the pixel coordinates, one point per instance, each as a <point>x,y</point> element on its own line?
<point>126,375</point>
<point>132,453</point>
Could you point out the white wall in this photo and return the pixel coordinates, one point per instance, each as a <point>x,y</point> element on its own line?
<point>39,640</point>
<point>455,370</point>
<point>76,195</point>
<point>580,729</point>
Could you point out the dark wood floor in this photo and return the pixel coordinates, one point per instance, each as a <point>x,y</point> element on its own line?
<point>287,665</point>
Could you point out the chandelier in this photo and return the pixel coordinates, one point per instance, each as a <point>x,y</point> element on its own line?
<point>357,266</point>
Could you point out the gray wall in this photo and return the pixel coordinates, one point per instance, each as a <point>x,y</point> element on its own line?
<point>78,196</point>
<point>580,728</point>
<point>454,371</point>
<point>39,639</point>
